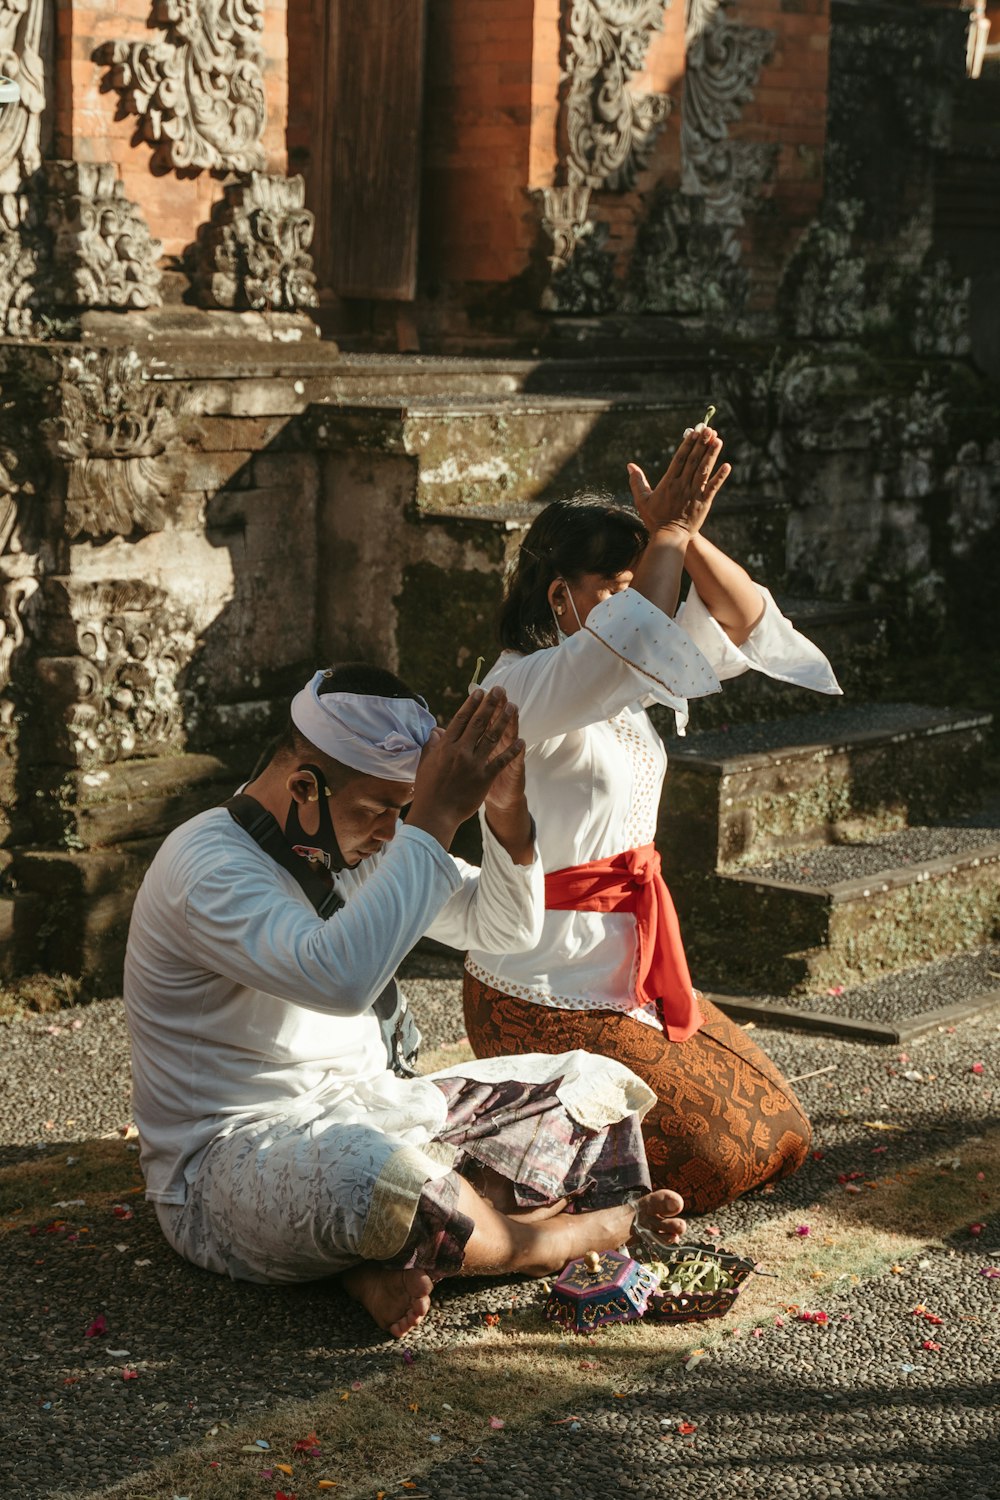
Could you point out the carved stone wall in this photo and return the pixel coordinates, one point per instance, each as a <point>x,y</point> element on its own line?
<point>686,255</point>
<point>255,253</point>
<point>724,61</point>
<point>198,91</point>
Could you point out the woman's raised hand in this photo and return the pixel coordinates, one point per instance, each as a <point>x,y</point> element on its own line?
<point>683,498</point>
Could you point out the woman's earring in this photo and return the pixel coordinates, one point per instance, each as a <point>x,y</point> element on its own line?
<point>560,609</point>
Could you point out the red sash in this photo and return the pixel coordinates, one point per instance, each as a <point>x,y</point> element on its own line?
<point>632,882</point>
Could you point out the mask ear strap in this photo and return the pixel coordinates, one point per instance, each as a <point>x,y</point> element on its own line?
<point>318,780</point>
<point>572,605</point>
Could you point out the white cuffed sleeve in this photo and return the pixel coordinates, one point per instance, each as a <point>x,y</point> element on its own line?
<point>628,650</point>
<point>773,647</point>
<point>499,908</point>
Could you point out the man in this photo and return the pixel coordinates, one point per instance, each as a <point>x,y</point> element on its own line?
<point>278,1143</point>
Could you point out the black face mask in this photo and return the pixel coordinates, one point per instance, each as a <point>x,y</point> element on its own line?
<point>319,848</point>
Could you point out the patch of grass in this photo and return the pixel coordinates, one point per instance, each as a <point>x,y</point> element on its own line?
<point>102,1172</point>
<point>433,1059</point>
<point>525,1371</point>
<point>39,994</point>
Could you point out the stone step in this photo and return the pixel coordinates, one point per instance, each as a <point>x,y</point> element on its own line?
<point>86,898</point>
<point>136,799</point>
<point>750,527</point>
<point>844,914</point>
<point>891,1010</point>
<point>521,448</point>
<point>21,915</point>
<point>379,377</point>
<point>736,797</point>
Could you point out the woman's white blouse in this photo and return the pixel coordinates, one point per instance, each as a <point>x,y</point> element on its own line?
<point>595,766</point>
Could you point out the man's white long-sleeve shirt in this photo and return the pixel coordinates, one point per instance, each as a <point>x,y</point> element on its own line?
<point>242,1003</point>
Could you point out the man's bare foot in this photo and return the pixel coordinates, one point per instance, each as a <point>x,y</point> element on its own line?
<point>397,1300</point>
<point>657,1215</point>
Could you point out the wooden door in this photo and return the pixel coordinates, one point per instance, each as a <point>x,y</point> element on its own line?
<point>367,162</point>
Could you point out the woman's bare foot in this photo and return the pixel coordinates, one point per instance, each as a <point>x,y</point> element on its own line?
<point>397,1300</point>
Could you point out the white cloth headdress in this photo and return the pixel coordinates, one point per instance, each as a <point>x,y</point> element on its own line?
<point>379,736</point>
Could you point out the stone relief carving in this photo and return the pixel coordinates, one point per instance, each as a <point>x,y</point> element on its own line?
<point>21,23</point>
<point>120,686</point>
<point>18,540</point>
<point>564,220</point>
<point>684,262</point>
<point>723,64</point>
<point>19,262</point>
<point>73,240</point>
<point>608,130</point>
<point>115,428</point>
<point>199,90</point>
<point>103,254</point>
<point>833,289</point>
<point>255,252</point>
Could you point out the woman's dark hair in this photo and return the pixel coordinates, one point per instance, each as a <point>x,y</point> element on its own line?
<point>586,534</point>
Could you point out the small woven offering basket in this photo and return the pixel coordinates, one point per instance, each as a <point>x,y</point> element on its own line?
<point>695,1282</point>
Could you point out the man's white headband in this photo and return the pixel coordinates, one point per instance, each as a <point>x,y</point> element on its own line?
<point>379,736</point>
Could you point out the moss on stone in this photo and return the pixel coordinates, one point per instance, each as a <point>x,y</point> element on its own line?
<point>445,620</point>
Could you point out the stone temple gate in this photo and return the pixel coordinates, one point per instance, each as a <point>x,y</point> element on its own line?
<point>306,307</point>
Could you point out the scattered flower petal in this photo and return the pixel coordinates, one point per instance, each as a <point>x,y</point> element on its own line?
<point>97,1328</point>
<point>128,1374</point>
<point>496,1423</point>
<point>803,1230</point>
<point>976,1229</point>
<point>977,1067</point>
<point>686,1428</point>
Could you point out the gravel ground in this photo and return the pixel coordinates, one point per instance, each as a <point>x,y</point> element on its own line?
<point>901,997</point>
<point>836,727</point>
<point>800,1411</point>
<point>825,865</point>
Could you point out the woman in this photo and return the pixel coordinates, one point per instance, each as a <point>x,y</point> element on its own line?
<point>592,634</point>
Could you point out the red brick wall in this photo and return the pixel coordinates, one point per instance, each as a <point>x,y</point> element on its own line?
<point>477,139</point>
<point>87,128</point>
<point>789,111</point>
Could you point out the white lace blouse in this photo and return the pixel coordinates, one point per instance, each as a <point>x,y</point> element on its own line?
<point>595,767</point>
